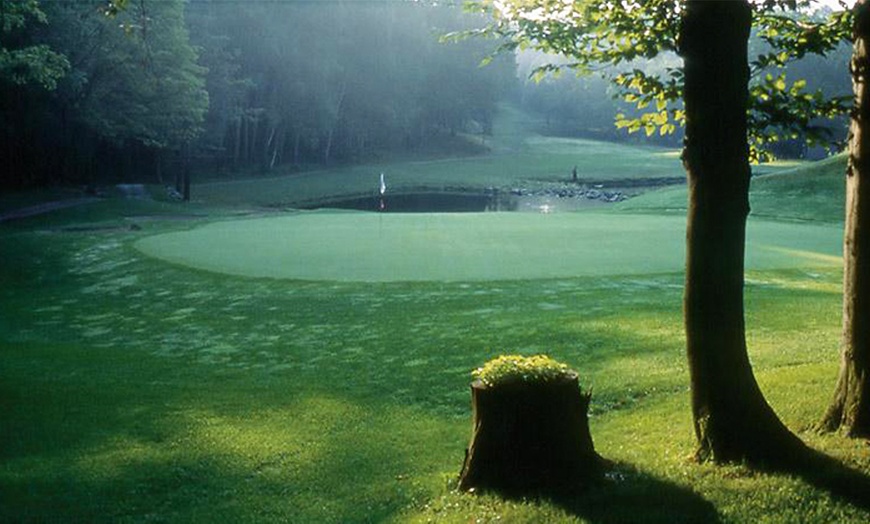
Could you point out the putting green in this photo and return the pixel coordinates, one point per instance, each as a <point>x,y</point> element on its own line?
<point>371,247</point>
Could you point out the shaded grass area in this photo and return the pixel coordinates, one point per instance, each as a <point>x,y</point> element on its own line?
<point>134,390</point>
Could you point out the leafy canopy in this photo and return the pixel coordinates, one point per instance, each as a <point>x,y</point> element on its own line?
<point>20,63</point>
<point>618,37</point>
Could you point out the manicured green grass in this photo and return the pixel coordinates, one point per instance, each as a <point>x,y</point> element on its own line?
<point>134,390</point>
<point>469,246</point>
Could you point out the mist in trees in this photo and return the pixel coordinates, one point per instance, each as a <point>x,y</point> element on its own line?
<point>326,82</point>
<point>95,97</point>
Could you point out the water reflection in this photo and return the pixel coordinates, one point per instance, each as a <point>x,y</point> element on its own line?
<point>427,203</point>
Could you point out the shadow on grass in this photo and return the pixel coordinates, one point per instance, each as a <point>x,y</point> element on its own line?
<point>628,495</point>
<point>828,474</point>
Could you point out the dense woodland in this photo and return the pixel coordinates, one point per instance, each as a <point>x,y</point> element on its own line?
<point>164,87</point>
<point>91,98</point>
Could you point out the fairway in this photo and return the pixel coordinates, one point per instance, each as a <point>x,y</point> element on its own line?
<point>370,247</point>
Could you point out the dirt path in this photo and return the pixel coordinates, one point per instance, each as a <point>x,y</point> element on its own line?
<point>45,208</point>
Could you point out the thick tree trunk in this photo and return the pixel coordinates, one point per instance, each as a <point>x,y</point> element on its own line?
<point>850,409</point>
<point>530,437</point>
<point>732,420</point>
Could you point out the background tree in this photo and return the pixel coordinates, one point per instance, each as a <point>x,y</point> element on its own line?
<point>341,81</point>
<point>28,71</point>
<point>135,88</point>
<point>850,408</point>
<point>130,91</point>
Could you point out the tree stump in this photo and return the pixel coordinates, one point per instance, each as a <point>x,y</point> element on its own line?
<point>530,436</point>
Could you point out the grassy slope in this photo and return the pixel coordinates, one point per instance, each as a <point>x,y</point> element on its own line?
<point>814,192</point>
<point>132,390</point>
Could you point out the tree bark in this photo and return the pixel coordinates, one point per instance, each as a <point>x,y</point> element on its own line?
<point>732,420</point>
<point>530,437</point>
<point>850,409</point>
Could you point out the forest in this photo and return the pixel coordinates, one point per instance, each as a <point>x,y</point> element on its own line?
<point>90,98</point>
<point>157,89</point>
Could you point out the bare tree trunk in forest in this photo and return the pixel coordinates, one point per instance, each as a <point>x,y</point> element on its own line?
<point>850,408</point>
<point>254,131</point>
<point>158,165</point>
<point>237,146</point>
<point>270,148</point>
<point>330,137</point>
<point>246,126</point>
<point>185,189</point>
<point>280,143</point>
<point>327,150</point>
<point>297,139</point>
<point>732,420</point>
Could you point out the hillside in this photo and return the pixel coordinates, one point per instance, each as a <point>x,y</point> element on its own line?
<point>811,192</point>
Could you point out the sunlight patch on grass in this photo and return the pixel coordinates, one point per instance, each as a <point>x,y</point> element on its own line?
<point>821,259</point>
<point>817,279</point>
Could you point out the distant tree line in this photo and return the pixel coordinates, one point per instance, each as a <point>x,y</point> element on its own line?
<point>103,95</point>
<point>321,82</point>
<point>584,106</point>
<point>95,94</point>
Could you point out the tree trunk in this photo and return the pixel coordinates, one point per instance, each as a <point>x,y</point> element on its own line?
<point>185,193</point>
<point>237,142</point>
<point>270,148</point>
<point>246,135</point>
<point>732,420</point>
<point>850,409</point>
<point>327,150</point>
<point>530,437</point>
<point>296,142</point>
<point>158,165</point>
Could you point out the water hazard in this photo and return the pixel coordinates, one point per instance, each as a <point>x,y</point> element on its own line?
<point>443,202</point>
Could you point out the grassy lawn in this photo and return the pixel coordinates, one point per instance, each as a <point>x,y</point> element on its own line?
<point>806,193</point>
<point>138,389</point>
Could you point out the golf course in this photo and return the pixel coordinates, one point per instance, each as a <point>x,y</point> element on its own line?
<point>245,358</point>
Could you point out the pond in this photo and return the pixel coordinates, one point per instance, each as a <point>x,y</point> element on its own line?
<point>446,202</point>
<point>429,202</point>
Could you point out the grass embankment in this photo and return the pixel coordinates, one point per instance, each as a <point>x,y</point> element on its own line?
<point>134,390</point>
<point>814,192</point>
